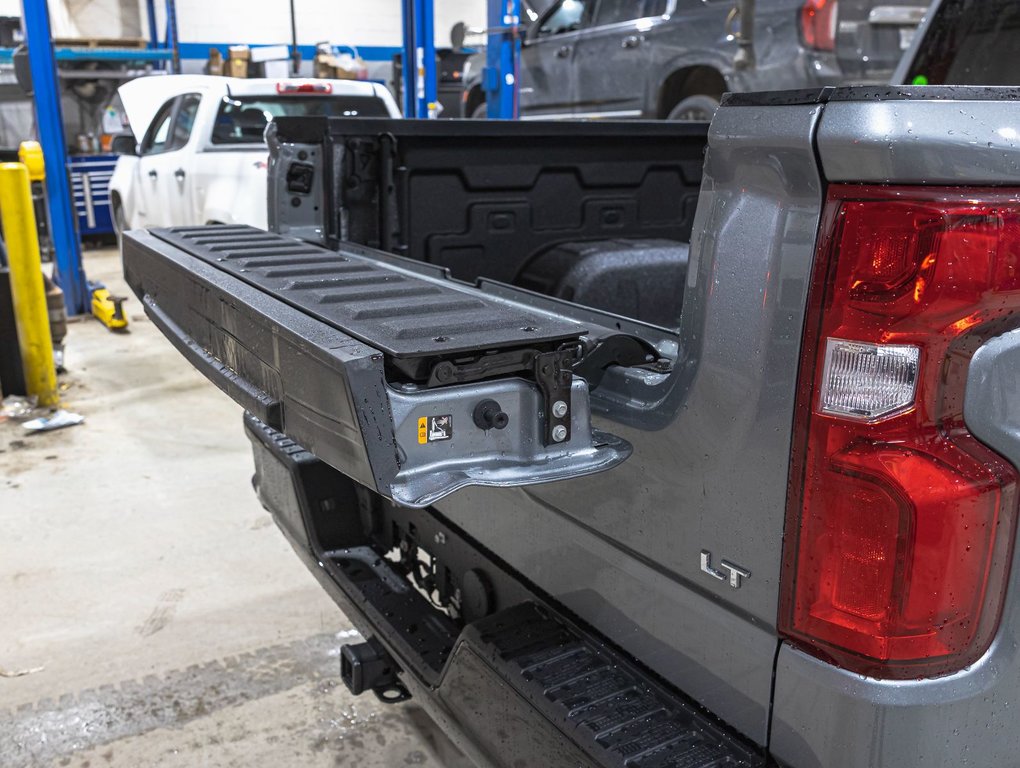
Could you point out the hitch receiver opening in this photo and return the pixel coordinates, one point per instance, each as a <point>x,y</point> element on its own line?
<point>368,667</point>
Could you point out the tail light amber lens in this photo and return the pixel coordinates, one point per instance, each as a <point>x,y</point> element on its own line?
<point>900,522</point>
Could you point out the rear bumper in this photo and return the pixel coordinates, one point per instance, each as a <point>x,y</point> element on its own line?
<point>522,686</point>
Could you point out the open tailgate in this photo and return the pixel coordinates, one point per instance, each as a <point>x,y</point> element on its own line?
<point>409,382</point>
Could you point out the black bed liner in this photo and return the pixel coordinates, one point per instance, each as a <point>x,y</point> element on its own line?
<point>407,187</point>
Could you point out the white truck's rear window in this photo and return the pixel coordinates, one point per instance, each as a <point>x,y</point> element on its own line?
<point>243,120</point>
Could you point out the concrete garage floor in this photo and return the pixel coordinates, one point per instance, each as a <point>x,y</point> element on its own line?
<point>167,621</point>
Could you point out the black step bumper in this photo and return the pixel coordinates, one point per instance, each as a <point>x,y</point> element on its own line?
<point>524,686</point>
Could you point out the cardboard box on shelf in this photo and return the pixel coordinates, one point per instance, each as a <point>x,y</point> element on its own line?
<point>214,66</point>
<point>237,65</point>
<point>274,60</point>
<point>340,66</point>
<point>278,70</point>
<point>262,53</point>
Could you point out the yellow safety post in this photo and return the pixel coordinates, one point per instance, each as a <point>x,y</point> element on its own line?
<point>30,153</point>
<point>30,310</point>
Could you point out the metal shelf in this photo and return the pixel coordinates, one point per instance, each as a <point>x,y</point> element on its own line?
<point>101,54</point>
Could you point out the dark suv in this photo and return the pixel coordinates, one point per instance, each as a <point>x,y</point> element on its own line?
<point>674,59</point>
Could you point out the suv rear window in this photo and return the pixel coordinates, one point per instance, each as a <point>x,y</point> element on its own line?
<point>971,42</point>
<point>243,120</point>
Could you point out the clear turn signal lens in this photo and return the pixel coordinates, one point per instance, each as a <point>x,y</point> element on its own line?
<point>868,382</point>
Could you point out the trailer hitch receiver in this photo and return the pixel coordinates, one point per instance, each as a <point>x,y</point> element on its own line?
<point>369,667</point>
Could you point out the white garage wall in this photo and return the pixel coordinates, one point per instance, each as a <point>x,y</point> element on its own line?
<point>89,18</point>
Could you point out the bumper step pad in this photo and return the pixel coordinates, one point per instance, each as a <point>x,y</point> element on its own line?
<point>611,708</point>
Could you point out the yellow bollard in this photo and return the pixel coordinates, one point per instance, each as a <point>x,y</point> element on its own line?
<point>30,310</point>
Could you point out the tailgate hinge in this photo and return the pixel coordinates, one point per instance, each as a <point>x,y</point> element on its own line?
<point>554,372</point>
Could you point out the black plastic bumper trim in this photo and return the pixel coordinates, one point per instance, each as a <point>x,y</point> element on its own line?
<point>573,699</point>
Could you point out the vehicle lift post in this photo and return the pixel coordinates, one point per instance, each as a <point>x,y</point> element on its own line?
<point>150,12</point>
<point>171,44</point>
<point>502,55</point>
<point>171,36</point>
<point>419,60</point>
<point>68,271</point>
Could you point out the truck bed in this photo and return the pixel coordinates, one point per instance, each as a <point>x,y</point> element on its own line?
<point>496,211</point>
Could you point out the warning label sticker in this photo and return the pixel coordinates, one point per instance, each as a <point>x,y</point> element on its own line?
<point>432,429</point>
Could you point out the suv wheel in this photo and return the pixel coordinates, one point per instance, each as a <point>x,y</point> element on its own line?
<point>695,109</point>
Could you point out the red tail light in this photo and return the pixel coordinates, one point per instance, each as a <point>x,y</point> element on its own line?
<point>818,20</point>
<point>294,89</point>
<point>900,523</point>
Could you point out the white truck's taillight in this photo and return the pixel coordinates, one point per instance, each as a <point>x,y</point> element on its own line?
<point>303,88</point>
<point>819,24</point>
<point>900,523</point>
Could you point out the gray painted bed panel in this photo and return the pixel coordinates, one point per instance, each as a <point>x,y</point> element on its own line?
<point>921,142</point>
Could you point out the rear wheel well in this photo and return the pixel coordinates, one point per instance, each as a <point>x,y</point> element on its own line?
<point>691,81</point>
<point>475,98</point>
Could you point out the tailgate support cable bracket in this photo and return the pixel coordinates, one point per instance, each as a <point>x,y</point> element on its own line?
<point>553,372</point>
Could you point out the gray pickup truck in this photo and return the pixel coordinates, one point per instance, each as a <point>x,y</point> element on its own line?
<point>649,444</point>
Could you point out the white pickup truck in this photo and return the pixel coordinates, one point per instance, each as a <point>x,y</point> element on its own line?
<point>198,156</point>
